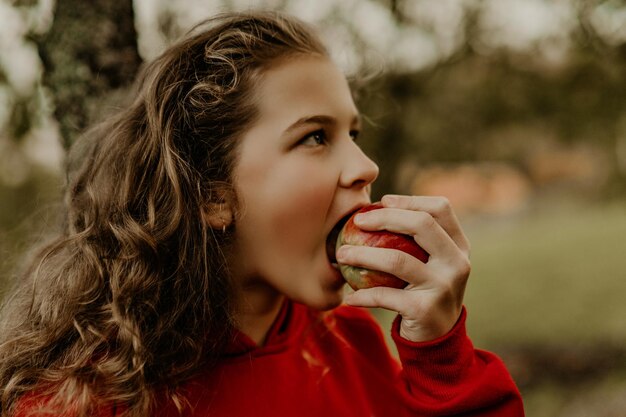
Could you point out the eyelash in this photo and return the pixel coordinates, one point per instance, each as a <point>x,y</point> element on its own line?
<point>321,133</point>
<point>318,133</point>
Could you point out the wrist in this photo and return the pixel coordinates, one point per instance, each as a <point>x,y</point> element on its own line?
<point>437,327</point>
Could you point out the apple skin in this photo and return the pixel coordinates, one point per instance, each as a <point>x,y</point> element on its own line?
<point>359,278</point>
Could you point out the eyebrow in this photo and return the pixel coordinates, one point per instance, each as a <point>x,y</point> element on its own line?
<point>320,120</point>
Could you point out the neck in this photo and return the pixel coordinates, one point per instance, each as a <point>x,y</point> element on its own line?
<point>257,309</point>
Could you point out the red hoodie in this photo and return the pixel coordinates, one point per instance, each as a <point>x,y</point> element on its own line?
<point>337,364</point>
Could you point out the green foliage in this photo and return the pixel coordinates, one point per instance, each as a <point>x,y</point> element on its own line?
<point>20,121</point>
<point>491,107</point>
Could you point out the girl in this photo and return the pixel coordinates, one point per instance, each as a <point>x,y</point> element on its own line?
<point>192,276</point>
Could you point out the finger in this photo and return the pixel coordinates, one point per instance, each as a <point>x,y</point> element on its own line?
<point>438,207</point>
<point>379,297</point>
<point>427,232</point>
<point>426,324</point>
<point>391,261</point>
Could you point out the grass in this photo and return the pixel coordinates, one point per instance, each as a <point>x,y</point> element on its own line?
<point>555,277</point>
<point>551,276</point>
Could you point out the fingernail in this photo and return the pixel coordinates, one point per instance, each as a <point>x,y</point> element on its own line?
<point>342,252</point>
<point>389,200</point>
<point>360,219</point>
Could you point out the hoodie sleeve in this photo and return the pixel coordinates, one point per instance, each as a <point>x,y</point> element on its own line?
<point>449,377</point>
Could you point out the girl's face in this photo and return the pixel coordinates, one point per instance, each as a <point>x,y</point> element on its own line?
<point>299,172</point>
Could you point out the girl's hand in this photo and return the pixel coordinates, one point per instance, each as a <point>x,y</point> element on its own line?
<point>432,302</point>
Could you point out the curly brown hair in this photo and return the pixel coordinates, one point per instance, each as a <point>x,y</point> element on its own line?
<point>134,295</point>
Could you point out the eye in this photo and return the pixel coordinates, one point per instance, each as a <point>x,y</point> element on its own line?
<point>316,138</point>
<point>354,134</point>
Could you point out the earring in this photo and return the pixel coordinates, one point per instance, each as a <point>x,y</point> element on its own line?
<point>224,228</point>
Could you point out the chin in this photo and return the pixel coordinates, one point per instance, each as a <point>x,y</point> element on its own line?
<point>332,301</point>
<point>327,301</point>
<point>329,306</point>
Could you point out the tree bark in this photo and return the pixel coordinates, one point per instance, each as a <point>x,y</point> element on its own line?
<point>89,55</point>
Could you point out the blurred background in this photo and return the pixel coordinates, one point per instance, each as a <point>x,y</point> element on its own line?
<point>513,109</point>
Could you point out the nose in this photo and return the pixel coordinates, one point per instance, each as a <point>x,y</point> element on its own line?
<point>358,170</point>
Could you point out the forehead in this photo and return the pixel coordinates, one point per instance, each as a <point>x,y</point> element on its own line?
<point>304,85</point>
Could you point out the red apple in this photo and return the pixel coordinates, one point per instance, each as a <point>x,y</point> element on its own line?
<point>359,278</point>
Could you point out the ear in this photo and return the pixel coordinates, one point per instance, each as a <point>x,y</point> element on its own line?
<point>218,215</point>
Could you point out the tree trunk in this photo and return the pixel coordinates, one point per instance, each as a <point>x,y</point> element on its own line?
<point>89,54</point>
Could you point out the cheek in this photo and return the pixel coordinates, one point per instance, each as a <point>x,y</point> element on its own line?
<point>301,203</point>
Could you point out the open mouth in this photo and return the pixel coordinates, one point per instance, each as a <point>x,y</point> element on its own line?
<point>331,240</point>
